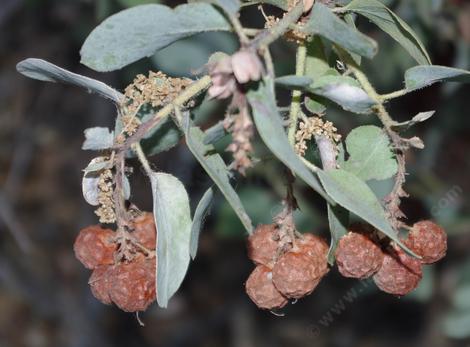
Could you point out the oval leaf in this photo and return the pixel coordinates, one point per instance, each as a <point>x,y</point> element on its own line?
<point>423,76</point>
<point>355,195</point>
<point>202,210</point>
<point>42,70</point>
<point>98,138</point>
<point>173,220</point>
<point>370,156</point>
<point>269,125</point>
<point>393,25</point>
<point>140,31</point>
<point>325,23</point>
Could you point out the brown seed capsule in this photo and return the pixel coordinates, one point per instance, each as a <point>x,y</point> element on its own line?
<point>262,247</point>
<point>399,274</point>
<point>428,240</point>
<point>358,256</point>
<point>133,284</point>
<point>94,246</point>
<point>100,283</point>
<point>315,247</point>
<point>145,230</point>
<point>296,275</point>
<point>261,290</point>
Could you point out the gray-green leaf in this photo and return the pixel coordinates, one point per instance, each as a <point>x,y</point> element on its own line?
<point>202,210</point>
<point>293,81</point>
<point>215,167</point>
<point>325,23</point>
<point>338,220</point>
<point>269,125</point>
<point>424,75</point>
<point>173,220</point>
<point>393,25</point>
<point>98,138</point>
<point>343,90</point>
<point>231,7</point>
<point>140,31</point>
<point>355,195</point>
<point>370,156</point>
<point>42,70</point>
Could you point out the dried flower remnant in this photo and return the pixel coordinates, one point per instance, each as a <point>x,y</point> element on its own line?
<point>314,126</point>
<point>242,130</point>
<point>106,210</point>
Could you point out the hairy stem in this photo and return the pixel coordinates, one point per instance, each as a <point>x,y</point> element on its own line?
<point>393,95</point>
<point>295,106</point>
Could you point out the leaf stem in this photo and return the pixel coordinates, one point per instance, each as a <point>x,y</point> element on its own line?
<point>295,109</point>
<point>137,148</point>
<point>393,95</point>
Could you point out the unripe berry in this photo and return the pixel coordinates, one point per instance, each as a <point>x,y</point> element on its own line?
<point>133,284</point>
<point>100,283</point>
<point>358,256</point>
<point>145,230</point>
<point>428,240</point>
<point>399,274</point>
<point>316,247</point>
<point>262,247</point>
<point>94,246</point>
<point>296,275</point>
<point>261,290</point>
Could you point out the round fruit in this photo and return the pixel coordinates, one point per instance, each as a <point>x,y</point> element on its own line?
<point>100,283</point>
<point>315,247</point>
<point>399,274</point>
<point>262,248</point>
<point>428,240</point>
<point>94,246</point>
<point>133,284</point>
<point>296,275</point>
<point>145,231</point>
<point>358,256</point>
<point>261,290</point>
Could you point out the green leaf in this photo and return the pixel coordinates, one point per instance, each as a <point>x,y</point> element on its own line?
<point>419,118</point>
<point>215,133</point>
<point>293,81</point>
<point>338,220</point>
<point>344,91</point>
<point>316,62</point>
<point>423,76</point>
<point>215,167</point>
<point>231,7</point>
<point>325,23</point>
<point>140,31</point>
<point>269,125</point>
<point>354,195</point>
<point>202,210</point>
<point>165,136</point>
<point>42,70</point>
<point>132,3</point>
<point>393,25</point>
<point>98,138</point>
<point>370,156</point>
<point>173,220</point>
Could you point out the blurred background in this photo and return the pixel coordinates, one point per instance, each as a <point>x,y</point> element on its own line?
<point>44,296</point>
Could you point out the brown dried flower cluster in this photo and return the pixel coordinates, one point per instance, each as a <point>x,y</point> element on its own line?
<point>128,282</point>
<point>282,275</point>
<point>358,255</point>
<point>296,35</point>
<point>242,130</point>
<point>314,126</point>
<point>106,211</point>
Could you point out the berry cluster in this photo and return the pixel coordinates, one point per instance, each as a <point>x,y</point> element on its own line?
<point>281,272</point>
<point>123,263</point>
<point>360,255</point>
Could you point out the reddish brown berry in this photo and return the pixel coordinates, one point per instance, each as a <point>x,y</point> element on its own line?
<point>399,274</point>
<point>428,240</point>
<point>94,246</point>
<point>358,256</point>
<point>261,290</point>
<point>315,247</point>
<point>296,275</point>
<point>133,284</point>
<point>262,247</point>
<point>100,283</point>
<point>145,231</point>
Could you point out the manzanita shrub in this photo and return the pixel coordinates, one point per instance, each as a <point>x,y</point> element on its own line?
<point>138,257</point>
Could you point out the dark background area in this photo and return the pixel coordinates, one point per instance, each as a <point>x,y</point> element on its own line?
<point>44,296</point>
